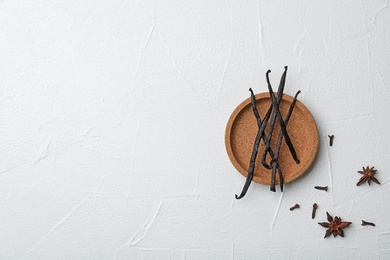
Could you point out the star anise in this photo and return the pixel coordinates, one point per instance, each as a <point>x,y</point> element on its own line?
<point>368,175</point>
<point>335,226</point>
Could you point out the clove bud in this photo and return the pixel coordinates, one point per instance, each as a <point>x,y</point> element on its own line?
<point>296,206</point>
<point>331,139</point>
<point>313,213</point>
<point>366,223</point>
<point>325,188</point>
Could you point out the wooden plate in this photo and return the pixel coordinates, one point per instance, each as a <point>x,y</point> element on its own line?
<point>241,132</point>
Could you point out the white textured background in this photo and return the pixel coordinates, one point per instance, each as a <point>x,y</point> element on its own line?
<point>113,116</point>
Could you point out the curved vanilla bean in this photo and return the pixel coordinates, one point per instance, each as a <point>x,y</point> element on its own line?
<point>251,168</point>
<point>278,145</point>
<point>254,108</point>
<point>275,105</point>
<point>273,118</point>
<point>261,135</point>
<point>258,119</point>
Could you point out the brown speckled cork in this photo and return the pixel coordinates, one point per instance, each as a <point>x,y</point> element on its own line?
<point>241,132</point>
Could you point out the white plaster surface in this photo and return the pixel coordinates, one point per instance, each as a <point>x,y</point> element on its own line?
<point>113,116</point>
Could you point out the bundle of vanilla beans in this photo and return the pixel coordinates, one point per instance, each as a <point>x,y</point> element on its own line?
<point>273,114</point>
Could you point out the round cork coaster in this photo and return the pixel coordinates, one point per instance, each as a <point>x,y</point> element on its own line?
<point>241,131</point>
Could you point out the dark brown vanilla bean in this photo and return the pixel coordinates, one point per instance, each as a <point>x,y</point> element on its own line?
<point>261,135</point>
<point>296,206</point>
<point>313,212</point>
<point>280,119</point>
<point>277,150</point>
<point>366,223</point>
<point>283,128</point>
<point>325,188</point>
<point>331,139</point>
<point>258,119</point>
<point>251,168</point>
<point>273,118</point>
<point>274,164</point>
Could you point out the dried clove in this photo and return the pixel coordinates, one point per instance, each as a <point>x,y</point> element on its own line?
<point>331,139</point>
<point>313,213</point>
<point>366,223</point>
<point>296,206</point>
<point>325,188</point>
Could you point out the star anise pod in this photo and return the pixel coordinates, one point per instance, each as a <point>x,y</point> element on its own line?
<point>368,175</point>
<point>335,226</point>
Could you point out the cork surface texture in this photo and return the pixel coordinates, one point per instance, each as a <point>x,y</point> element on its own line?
<point>241,132</point>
